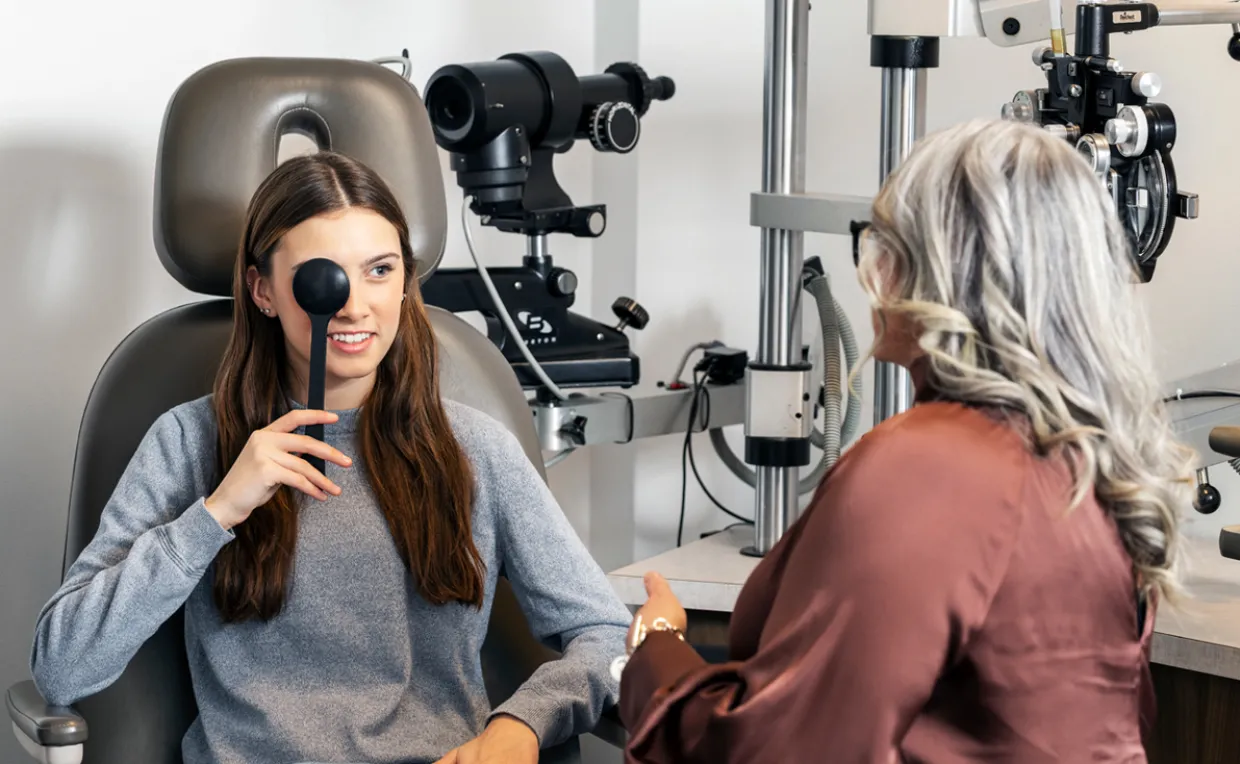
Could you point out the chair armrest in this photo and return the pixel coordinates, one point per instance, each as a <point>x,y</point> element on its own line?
<point>610,729</point>
<point>44,725</point>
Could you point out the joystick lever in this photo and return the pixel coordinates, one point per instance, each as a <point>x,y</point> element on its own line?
<point>321,288</point>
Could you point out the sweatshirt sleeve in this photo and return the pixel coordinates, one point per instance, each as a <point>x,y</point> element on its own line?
<point>154,543</point>
<point>881,584</point>
<point>565,596</point>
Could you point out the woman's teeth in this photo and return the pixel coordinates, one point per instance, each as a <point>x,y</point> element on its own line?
<point>351,339</point>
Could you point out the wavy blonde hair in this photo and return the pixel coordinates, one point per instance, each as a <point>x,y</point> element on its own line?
<point>1001,247</point>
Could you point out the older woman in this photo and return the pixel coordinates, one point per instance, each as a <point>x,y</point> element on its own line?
<point>975,579</point>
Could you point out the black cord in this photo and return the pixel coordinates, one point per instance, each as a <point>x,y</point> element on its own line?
<point>726,528</point>
<point>685,470</point>
<point>629,400</point>
<point>701,395</point>
<point>684,484</point>
<point>696,474</point>
<point>1193,394</point>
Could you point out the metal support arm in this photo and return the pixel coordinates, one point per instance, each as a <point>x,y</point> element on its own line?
<point>589,420</point>
<point>817,213</point>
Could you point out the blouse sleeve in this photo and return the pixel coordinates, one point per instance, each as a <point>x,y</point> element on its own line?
<point>880,585</point>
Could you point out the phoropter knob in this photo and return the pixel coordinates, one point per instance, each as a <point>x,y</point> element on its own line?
<point>615,127</point>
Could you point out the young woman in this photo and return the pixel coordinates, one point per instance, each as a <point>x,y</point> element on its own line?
<point>971,581</point>
<point>336,616</point>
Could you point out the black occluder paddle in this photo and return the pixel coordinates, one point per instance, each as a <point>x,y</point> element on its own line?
<point>321,288</point>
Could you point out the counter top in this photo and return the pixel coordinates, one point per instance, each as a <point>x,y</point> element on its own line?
<point>1202,634</point>
<point>706,575</point>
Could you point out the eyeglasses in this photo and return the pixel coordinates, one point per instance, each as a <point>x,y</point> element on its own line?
<point>857,229</point>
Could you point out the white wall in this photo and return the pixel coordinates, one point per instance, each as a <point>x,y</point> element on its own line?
<point>698,258</point>
<point>82,96</point>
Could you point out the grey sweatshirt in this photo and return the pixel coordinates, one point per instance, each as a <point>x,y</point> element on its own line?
<point>357,667</point>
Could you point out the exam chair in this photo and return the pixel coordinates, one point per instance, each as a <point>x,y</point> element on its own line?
<point>220,138</point>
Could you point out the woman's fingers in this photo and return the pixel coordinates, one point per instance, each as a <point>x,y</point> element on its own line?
<point>304,444</point>
<point>301,467</point>
<point>300,418</point>
<point>297,480</point>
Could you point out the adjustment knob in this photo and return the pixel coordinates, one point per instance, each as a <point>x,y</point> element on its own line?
<point>1128,131</point>
<point>614,127</point>
<point>1021,108</point>
<point>1097,152</point>
<point>563,282</point>
<point>575,431</point>
<point>1118,130</point>
<point>1233,47</point>
<point>630,313</point>
<point>1147,84</point>
<point>1207,499</point>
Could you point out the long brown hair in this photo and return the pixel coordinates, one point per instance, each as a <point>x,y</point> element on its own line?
<point>420,476</point>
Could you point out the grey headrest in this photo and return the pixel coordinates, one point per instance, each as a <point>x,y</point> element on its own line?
<point>220,139</point>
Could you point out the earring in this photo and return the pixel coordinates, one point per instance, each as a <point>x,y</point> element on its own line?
<point>266,311</point>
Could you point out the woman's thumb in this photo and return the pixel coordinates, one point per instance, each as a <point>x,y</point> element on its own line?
<point>656,584</point>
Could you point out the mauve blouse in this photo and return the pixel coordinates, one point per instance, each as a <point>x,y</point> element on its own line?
<point>935,604</point>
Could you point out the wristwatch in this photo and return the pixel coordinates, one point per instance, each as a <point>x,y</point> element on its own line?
<point>640,632</point>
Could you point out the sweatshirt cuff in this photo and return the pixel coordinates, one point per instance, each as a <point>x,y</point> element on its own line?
<point>660,662</point>
<point>535,711</point>
<point>195,538</point>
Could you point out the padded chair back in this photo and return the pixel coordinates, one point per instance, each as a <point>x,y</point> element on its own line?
<point>220,138</point>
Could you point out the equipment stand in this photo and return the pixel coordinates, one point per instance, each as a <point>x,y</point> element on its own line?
<point>779,447</point>
<point>777,455</point>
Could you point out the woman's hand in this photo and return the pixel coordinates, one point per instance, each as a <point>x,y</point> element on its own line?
<point>270,459</point>
<point>505,741</point>
<point>660,603</point>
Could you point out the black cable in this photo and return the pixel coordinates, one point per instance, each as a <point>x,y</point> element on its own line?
<point>1194,394</point>
<point>726,528</point>
<point>700,389</point>
<point>700,395</point>
<point>629,400</point>
<point>684,484</point>
<point>684,459</point>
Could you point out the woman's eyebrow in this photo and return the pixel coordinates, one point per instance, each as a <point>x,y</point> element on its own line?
<point>379,258</point>
<point>369,261</point>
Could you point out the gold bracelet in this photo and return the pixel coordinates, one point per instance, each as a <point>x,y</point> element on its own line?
<point>659,624</point>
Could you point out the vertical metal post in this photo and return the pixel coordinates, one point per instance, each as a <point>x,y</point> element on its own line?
<point>783,171</point>
<point>903,122</point>
<point>904,61</point>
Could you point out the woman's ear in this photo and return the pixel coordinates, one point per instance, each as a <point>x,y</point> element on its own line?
<point>260,291</point>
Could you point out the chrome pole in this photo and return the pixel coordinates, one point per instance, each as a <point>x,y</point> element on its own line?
<point>1200,14</point>
<point>783,171</point>
<point>903,123</point>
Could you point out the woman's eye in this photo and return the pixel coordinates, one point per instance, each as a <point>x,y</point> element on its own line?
<point>381,270</point>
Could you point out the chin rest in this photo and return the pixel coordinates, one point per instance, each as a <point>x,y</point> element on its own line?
<point>220,139</point>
